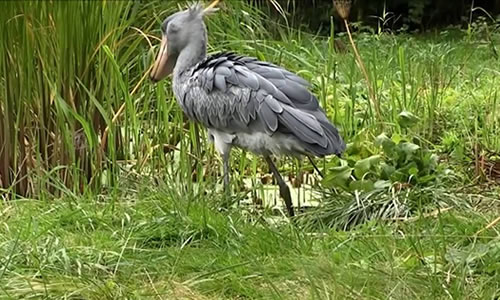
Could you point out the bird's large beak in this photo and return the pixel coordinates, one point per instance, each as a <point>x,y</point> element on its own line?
<point>164,64</point>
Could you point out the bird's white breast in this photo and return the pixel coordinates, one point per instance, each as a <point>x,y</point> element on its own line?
<point>256,142</point>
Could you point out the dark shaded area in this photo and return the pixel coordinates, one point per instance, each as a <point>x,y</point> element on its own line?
<point>421,15</point>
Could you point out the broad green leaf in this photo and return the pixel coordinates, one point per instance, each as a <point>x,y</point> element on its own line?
<point>407,168</point>
<point>396,138</point>
<point>409,148</point>
<point>387,170</point>
<point>381,139</point>
<point>413,171</point>
<point>365,165</point>
<point>362,185</point>
<point>351,148</point>
<point>386,143</point>
<point>407,119</point>
<point>337,177</point>
<point>382,184</point>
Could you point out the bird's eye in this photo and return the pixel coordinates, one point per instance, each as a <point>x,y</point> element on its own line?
<point>172,28</point>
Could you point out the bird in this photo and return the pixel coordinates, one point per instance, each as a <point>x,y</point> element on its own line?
<point>241,101</point>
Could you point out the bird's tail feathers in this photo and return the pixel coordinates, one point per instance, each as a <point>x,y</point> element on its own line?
<point>335,143</point>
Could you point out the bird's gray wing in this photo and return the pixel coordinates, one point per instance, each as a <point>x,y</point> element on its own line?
<point>242,93</point>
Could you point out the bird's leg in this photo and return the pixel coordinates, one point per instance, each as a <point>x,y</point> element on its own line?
<point>284,189</point>
<point>225,159</point>
<point>315,167</point>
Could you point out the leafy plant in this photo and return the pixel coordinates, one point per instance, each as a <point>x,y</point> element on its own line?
<point>399,162</point>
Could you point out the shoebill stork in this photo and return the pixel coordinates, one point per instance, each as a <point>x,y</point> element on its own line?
<point>243,102</point>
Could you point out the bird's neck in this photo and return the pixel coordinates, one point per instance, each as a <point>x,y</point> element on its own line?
<point>192,54</point>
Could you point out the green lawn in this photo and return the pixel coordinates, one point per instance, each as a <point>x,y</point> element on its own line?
<point>156,243</point>
<point>408,212</point>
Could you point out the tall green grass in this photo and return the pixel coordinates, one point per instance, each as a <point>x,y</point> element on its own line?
<point>139,214</point>
<point>60,89</point>
<point>77,113</point>
<point>161,243</point>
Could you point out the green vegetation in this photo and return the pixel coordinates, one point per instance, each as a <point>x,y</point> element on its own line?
<point>157,243</point>
<point>107,192</point>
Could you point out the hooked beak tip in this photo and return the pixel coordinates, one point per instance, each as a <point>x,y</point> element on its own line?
<point>153,75</point>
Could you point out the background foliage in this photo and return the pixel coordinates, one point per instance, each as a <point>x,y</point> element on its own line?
<point>421,15</point>
<point>107,192</point>
<point>76,110</point>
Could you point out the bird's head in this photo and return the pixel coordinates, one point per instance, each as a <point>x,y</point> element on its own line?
<point>179,31</point>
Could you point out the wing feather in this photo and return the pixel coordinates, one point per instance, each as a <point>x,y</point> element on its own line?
<point>232,92</point>
<point>220,82</point>
<point>269,117</point>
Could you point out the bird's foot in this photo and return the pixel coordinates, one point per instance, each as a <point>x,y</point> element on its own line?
<point>285,194</point>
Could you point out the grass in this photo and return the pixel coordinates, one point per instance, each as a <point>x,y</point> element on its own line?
<point>160,244</point>
<point>78,120</point>
<point>107,192</point>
